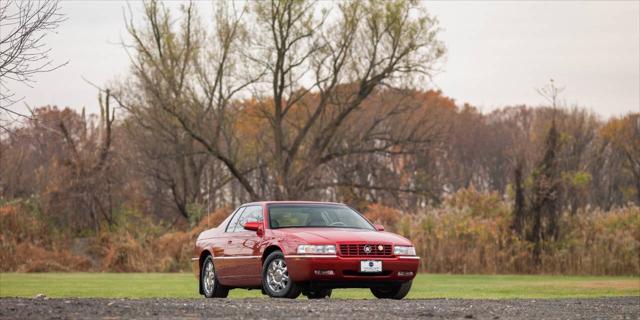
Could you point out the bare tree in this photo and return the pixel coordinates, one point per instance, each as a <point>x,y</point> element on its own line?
<point>623,135</point>
<point>90,182</point>
<point>23,52</point>
<point>310,80</point>
<point>545,207</point>
<point>178,101</point>
<point>370,49</point>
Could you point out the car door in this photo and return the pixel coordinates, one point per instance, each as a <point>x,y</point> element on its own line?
<point>246,248</point>
<point>224,253</point>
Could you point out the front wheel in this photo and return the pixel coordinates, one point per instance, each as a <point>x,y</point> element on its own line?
<point>392,292</point>
<point>275,278</point>
<point>211,287</point>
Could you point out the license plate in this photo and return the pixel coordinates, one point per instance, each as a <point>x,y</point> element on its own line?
<point>371,266</point>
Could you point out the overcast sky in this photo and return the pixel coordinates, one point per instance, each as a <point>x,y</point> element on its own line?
<point>498,53</point>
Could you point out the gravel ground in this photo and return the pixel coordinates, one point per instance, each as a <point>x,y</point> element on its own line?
<point>44,308</point>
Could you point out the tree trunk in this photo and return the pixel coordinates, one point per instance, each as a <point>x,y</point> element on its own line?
<point>519,206</point>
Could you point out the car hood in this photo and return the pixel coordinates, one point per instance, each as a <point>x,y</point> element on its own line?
<point>341,235</point>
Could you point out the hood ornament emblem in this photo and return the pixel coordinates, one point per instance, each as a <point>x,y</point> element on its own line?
<point>380,248</point>
<point>367,249</point>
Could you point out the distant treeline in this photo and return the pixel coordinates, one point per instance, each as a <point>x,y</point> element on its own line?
<point>84,177</point>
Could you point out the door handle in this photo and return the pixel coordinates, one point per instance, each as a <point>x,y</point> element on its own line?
<point>230,242</point>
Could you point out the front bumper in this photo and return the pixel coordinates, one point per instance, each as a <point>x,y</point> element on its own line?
<point>346,270</point>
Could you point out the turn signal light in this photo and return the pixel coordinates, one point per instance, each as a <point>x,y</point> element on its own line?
<point>324,272</point>
<point>405,273</point>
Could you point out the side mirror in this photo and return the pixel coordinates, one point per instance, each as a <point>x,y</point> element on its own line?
<point>379,227</point>
<point>254,226</point>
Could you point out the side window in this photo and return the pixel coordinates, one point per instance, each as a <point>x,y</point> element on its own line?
<point>251,213</point>
<point>234,221</point>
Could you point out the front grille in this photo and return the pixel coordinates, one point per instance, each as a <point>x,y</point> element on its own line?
<point>358,250</point>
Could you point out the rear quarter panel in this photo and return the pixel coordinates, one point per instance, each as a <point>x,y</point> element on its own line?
<point>209,241</point>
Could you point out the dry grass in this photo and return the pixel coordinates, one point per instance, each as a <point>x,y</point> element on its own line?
<point>134,251</point>
<point>469,233</point>
<point>27,245</point>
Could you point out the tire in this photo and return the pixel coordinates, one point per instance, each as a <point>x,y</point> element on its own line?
<point>275,278</point>
<point>393,292</point>
<point>318,294</point>
<point>211,287</point>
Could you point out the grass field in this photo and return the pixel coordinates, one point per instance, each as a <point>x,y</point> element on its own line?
<point>184,285</point>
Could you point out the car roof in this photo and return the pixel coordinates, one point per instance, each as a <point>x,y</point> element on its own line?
<point>292,202</point>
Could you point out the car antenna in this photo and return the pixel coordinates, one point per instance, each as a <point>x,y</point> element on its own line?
<point>208,205</point>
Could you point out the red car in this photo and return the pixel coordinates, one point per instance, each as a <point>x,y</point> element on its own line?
<point>292,248</point>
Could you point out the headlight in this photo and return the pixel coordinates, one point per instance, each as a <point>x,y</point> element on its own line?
<point>404,251</point>
<point>316,249</point>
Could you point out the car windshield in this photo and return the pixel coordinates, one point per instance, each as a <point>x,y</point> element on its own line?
<point>315,216</point>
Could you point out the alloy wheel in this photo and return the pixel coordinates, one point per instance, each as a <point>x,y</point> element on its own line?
<point>209,277</point>
<point>277,275</point>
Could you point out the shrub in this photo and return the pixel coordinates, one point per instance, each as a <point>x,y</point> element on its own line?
<point>28,245</point>
<point>471,233</point>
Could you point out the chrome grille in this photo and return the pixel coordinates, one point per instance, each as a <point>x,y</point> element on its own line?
<point>359,249</point>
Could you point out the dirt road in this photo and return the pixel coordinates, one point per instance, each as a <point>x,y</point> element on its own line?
<point>43,308</point>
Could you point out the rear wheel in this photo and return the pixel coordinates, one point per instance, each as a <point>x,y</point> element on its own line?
<point>318,294</point>
<point>211,287</point>
<point>392,292</point>
<point>275,278</point>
